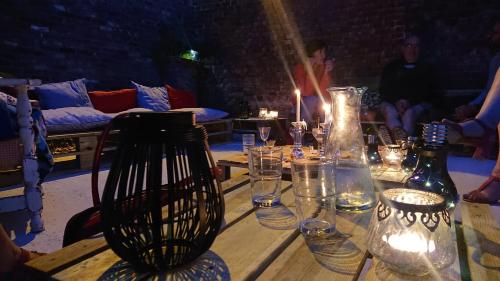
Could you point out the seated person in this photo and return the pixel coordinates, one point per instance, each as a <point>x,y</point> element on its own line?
<point>313,78</point>
<point>408,88</point>
<point>482,130</point>
<point>472,108</point>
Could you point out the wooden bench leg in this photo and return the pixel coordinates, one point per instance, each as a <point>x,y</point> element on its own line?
<point>87,147</point>
<point>225,172</point>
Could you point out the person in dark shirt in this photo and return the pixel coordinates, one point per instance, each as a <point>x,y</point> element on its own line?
<point>408,88</point>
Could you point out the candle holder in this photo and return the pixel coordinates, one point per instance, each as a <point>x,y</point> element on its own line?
<point>297,131</point>
<point>393,156</point>
<point>263,112</point>
<point>410,232</point>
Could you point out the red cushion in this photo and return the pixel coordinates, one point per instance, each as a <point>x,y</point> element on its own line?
<point>180,98</point>
<point>114,101</point>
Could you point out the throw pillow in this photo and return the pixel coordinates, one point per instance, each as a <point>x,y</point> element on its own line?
<point>74,119</point>
<point>155,98</point>
<point>114,101</point>
<point>205,114</point>
<point>180,98</point>
<point>64,94</point>
<point>8,99</point>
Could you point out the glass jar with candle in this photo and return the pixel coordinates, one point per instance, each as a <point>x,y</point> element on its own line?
<point>262,112</point>
<point>393,156</point>
<point>410,232</point>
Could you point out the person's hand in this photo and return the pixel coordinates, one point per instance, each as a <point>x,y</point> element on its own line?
<point>465,111</point>
<point>402,105</point>
<point>329,64</point>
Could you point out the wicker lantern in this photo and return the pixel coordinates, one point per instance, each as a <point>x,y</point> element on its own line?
<point>162,206</point>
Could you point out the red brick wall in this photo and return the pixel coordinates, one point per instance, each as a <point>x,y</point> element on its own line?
<point>112,42</point>
<point>363,36</point>
<point>109,42</point>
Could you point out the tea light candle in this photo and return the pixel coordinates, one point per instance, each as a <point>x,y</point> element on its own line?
<point>297,109</point>
<point>272,114</point>
<point>262,112</point>
<point>410,242</point>
<point>392,157</point>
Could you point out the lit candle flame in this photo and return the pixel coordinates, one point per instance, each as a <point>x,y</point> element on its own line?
<point>410,242</point>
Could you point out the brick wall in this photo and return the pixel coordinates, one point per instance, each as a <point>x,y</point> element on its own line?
<point>363,36</point>
<point>109,42</point>
<point>249,46</point>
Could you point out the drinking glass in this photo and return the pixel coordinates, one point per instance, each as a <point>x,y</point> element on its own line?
<point>265,165</point>
<point>319,135</point>
<point>248,142</point>
<point>314,189</point>
<point>264,133</point>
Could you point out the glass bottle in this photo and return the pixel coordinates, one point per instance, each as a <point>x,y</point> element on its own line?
<point>431,173</point>
<point>346,148</point>
<point>410,161</point>
<point>374,158</point>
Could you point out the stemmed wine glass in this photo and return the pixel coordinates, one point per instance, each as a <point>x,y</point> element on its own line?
<point>319,135</point>
<point>264,133</point>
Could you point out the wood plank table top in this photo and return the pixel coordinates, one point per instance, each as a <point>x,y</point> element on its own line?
<point>264,244</point>
<point>383,176</point>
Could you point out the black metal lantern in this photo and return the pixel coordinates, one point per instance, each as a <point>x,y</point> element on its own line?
<point>162,205</point>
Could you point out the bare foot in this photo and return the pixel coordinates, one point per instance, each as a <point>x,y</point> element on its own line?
<point>488,192</point>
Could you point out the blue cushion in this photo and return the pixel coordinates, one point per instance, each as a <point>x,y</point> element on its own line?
<point>155,98</point>
<point>74,119</point>
<point>64,94</point>
<point>203,114</point>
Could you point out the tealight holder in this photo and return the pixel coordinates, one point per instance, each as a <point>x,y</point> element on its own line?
<point>393,156</point>
<point>263,112</point>
<point>410,232</point>
<point>272,114</point>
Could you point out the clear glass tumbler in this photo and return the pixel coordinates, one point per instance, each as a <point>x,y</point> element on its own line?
<point>248,142</point>
<point>265,165</point>
<point>314,189</point>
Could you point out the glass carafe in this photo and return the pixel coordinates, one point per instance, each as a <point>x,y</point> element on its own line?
<point>345,146</point>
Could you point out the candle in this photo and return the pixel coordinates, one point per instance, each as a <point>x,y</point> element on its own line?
<point>326,109</point>
<point>297,110</point>
<point>272,114</point>
<point>410,242</point>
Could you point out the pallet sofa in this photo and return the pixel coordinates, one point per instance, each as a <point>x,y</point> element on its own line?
<point>75,118</point>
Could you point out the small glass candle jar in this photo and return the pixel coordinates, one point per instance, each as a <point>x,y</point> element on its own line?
<point>272,114</point>
<point>410,232</point>
<point>393,156</point>
<point>262,112</point>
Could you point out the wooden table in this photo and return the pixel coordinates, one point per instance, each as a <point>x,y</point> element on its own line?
<point>384,176</point>
<point>247,248</point>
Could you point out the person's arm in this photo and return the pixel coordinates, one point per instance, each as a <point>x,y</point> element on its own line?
<point>492,70</point>
<point>326,79</point>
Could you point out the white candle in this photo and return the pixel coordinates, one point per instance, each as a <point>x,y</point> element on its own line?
<point>326,109</point>
<point>297,110</point>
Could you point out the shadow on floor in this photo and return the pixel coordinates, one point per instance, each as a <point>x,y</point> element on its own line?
<point>16,224</point>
